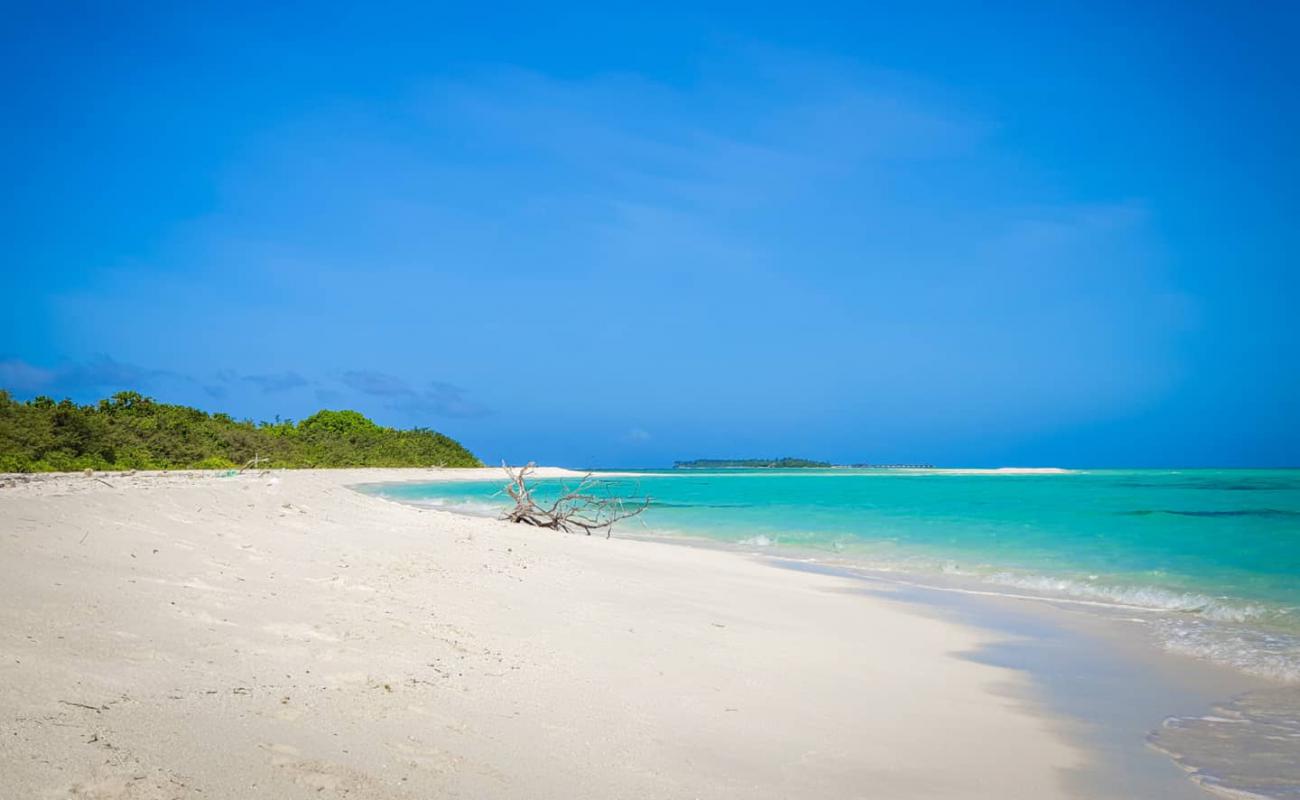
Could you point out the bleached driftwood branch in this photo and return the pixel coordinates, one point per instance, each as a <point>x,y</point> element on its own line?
<point>577,510</point>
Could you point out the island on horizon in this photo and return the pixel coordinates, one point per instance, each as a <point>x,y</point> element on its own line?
<point>751,463</point>
<point>783,463</point>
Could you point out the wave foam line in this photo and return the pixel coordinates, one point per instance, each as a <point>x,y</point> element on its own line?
<point>1275,657</point>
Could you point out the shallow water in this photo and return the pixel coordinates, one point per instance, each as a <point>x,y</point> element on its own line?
<point>1206,560</point>
<point>1248,746</point>
<point>1220,549</point>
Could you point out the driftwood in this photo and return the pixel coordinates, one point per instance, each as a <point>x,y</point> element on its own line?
<point>577,510</point>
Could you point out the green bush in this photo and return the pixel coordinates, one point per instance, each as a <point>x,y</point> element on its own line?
<point>131,431</point>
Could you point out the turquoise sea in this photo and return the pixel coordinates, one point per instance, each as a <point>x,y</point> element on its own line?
<point>1212,556</point>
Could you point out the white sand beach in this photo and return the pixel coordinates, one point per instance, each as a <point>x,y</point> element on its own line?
<point>284,636</point>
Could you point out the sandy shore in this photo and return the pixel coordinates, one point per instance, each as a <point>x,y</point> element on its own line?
<point>283,636</point>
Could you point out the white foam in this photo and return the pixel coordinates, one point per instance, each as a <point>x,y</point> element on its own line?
<point>1267,655</point>
<point>1188,623</point>
<point>1150,597</point>
<point>474,508</point>
<point>1246,748</point>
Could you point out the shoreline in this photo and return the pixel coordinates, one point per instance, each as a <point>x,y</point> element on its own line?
<point>1234,629</point>
<point>1246,621</point>
<point>1167,733</point>
<point>1101,673</point>
<point>282,635</point>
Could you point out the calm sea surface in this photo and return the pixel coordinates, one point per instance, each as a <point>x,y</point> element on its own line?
<point>1209,559</point>
<point>1213,555</point>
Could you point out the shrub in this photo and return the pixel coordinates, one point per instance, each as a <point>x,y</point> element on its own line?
<point>131,431</point>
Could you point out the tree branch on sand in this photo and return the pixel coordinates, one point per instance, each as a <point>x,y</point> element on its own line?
<point>577,510</point>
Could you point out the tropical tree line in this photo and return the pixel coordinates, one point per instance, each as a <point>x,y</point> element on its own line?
<point>130,431</point>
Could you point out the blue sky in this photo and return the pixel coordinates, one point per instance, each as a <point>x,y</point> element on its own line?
<point>1013,233</point>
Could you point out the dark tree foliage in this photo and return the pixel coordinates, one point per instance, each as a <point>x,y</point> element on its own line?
<point>131,431</point>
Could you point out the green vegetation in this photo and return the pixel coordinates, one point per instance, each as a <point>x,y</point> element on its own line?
<point>749,463</point>
<point>131,431</point>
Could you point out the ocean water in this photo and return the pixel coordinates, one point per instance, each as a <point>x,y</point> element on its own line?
<point>1211,556</point>
<point>1209,560</point>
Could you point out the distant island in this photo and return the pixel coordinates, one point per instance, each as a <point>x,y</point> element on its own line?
<point>130,431</point>
<point>751,463</point>
<point>783,463</point>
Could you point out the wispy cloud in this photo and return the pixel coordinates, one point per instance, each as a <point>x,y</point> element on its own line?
<point>436,397</point>
<point>711,148</point>
<point>637,435</point>
<point>329,397</point>
<point>17,375</point>
<point>104,374</point>
<point>378,384</point>
<point>100,373</point>
<point>277,382</point>
<point>444,400</point>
